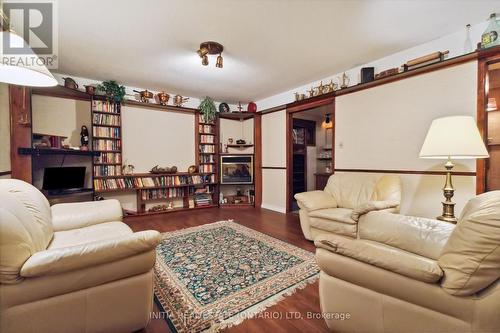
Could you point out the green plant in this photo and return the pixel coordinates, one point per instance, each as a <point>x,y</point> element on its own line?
<point>112,90</point>
<point>208,109</point>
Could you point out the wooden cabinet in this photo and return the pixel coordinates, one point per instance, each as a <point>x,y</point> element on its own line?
<point>488,170</point>
<point>321,180</point>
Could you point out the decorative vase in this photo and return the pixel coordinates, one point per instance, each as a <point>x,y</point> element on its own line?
<point>252,107</point>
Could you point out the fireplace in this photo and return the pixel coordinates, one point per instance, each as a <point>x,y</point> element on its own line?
<point>236,169</point>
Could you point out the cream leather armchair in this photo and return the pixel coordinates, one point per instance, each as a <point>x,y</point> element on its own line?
<point>346,197</point>
<point>71,267</point>
<point>410,274</point>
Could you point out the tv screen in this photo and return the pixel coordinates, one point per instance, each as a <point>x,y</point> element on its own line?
<point>64,178</point>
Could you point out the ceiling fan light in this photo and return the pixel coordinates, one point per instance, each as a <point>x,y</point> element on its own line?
<point>204,60</point>
<point>219,63</point>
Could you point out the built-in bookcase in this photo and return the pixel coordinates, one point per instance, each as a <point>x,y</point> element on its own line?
<point>207,140</point>
<point>107,140</point>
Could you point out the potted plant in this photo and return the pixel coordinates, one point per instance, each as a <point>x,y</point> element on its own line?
<point>112,90</point>
<point>208,109</point>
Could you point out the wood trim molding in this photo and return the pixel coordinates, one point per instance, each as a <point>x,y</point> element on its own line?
<point>404,75</point>
<point>273,109</point>
<point>311,103</point>
<point>274,168</point>
<point>5,173</point>
<point>257,139</point>
<point>20,134</point>
<point>410,172</point>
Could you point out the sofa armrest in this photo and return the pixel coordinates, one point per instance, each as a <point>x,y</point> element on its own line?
<point>382,256</point>
<point>71,258</point>
<point>419,235</point>
<point>69,216</point>
<point>314,200</point>
<point>371,206</point>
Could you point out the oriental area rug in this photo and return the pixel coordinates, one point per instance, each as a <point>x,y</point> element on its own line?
<point>216,275</point>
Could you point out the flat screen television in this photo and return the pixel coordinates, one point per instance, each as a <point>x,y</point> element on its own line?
<point>63,178</point>
<point>236,169</point>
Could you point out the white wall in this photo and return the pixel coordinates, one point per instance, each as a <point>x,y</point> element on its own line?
<point>4,129</point>
<point>236,129</point>
<point>384,128</point>
<point>151,137</point>
<point>60,116</point>
<point>274,155</point>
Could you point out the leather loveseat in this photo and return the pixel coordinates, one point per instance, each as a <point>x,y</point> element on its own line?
<point>411,274</point>
<point>71,267</point>
<point>345,198</point>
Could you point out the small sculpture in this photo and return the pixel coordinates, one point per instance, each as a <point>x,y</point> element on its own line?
<point>84,138</point>
<point>192,169</point>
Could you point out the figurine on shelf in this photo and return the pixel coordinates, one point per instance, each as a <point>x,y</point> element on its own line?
<point>128,169</point>
<point>84,138</point>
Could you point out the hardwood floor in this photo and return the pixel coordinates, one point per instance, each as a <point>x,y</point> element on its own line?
<point>282,226</point>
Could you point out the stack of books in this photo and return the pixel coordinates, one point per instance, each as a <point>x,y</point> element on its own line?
<point>203,199</point>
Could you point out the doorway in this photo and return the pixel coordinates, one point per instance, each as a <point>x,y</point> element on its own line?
<point>310,151</point>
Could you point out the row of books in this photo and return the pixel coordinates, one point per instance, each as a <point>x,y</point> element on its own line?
<point>108,132</point>
<point>207,138</point>
<point>207,168</point>
<point>164,193</point>
<point>206,129</point>
<point>207,159</point>
<point>207,149</point>
<point>105,106</point>
<point>141,182</point>
<point>108,158</point>
<point>103,144</point>
<point>106,119</point>
<point>107,170</point>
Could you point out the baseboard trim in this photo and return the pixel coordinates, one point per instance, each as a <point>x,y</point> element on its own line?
<point>274,208</point>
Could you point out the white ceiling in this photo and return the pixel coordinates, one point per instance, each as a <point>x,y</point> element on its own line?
<point>270,45</point>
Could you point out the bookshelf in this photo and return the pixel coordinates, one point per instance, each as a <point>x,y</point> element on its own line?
<point>107,140</point>
<point>207,158</point>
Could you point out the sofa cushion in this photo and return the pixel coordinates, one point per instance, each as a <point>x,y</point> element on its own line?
<point>93,233</point>
<point>350,190</point>
<point>25,226</point>
<point>335,214</point>
<point>340,228</point>
<point>471,257</point>
<point>383,256</point>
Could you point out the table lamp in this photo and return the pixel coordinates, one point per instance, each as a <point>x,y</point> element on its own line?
<point>455,137</point>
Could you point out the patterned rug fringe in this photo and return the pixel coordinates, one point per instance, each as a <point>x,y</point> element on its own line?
<point>262,306</point>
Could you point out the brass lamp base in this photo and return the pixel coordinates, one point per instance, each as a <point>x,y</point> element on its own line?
<point>448,190</point>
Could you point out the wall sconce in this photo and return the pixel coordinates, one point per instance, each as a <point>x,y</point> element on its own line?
<point>327,123</point>
<point>210,48</point>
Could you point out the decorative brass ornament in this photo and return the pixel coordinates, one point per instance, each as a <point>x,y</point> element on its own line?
<point>163,98</point>
<point>179,100</point>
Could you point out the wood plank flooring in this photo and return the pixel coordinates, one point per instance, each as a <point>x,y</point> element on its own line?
<point>286,227</point>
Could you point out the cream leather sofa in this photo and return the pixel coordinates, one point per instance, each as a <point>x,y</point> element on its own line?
<point>410,274</point>
<point>345,198</point>
<point>71,267</point>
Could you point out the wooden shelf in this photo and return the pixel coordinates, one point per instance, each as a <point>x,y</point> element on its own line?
<point>111,113</point>
<point>172,210</point>
<point>324,158</point>
<point>105,138</point>
<point>61,92</point>
<point>236,115</point>
<point>240,146</point>
<point>54,151</point>
<point>171,108</point>
<point>103,125</point>
<point>245,204</point>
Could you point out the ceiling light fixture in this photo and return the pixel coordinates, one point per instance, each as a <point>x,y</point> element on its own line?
<point>35,74</point>
<point>210,48</point>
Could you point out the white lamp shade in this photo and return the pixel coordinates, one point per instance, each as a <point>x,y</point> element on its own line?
<point>34,75</point>
<point>454,137</point>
